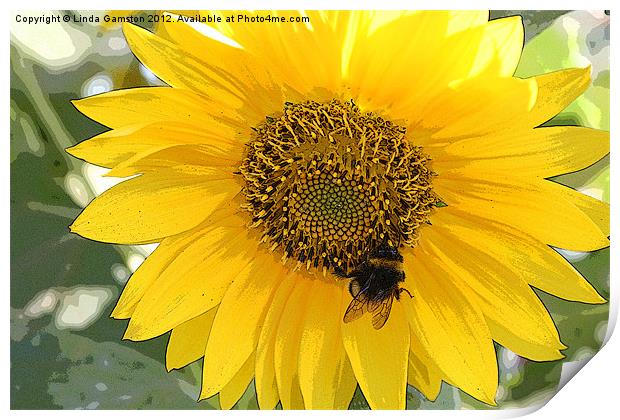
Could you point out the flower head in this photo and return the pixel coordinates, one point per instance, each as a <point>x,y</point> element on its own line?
<point>300,178</point>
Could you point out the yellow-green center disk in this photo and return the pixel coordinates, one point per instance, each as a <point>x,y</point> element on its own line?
<point>328,184</point>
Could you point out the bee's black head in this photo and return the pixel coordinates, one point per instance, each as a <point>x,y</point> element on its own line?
<point>388,253</point>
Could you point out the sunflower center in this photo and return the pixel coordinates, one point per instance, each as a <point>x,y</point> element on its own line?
<point>328,184</point>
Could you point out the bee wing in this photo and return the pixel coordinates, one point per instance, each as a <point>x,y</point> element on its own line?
<point>373,305</point>
<point>356,309</point>
<point>382,313</point>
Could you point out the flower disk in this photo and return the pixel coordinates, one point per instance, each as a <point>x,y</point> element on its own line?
<point>329,183</point>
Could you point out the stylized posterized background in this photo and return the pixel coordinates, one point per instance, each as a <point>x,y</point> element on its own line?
<point>65,350</point>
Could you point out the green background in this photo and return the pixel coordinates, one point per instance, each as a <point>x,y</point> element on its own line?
<point>67,353</point>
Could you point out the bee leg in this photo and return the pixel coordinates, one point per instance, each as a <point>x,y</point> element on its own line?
<point>354,288</point>
<point>402,289</point>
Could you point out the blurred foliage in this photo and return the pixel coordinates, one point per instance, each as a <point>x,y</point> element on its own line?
<point>534,21</point>
<point>65,350</point>
<point>580,39</point>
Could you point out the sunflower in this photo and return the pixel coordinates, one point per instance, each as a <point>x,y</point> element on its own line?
<point>361,198</point>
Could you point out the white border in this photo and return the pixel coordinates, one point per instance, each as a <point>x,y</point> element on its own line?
<point>594,391</point>
<point>315,4</point>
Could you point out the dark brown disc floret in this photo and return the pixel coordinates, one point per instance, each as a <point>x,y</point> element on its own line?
<point>327,184</point>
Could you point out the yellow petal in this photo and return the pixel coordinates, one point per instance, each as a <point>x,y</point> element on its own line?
<point>217,159</point>
<point>423,374</point>
<point>556,91</point>
<point>423,371</point>
<point>194,282</point>
<point>149,271</point>
<point>372,57</point>
<point>471,109</point>
<point>153,206</point>
<point>119,145</point>
<point>598,211</point>
<point>181,69</point>
<point>234,390</point>
<point>346,387</point>
<point>450,328</point>
<point>379,357</point>
<point>195,36</point>
<point>525,206</point>
<point>125,107</point>
<point>500,49</point>
<point>480,106</point>
<point>291,49</point>
<point>526,257</point>
<point>380,70</point>
<point>516,317</point>
<point>243,85</point>
<point>114,146</point>
<point>238,322</point>
<point>266,384</point>
<point>326,42</point>
<point>542,152</point>
<point>325,375</point>
<point>253,71</point>
<point>462,20</point>
<point>188,341</point>
<point>166,252</point>
<point>381,47</point>
<point>287,342</point>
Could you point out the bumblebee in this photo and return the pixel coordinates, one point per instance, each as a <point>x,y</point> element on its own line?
<point>374,285</point>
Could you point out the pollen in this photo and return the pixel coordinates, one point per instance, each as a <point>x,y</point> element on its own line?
<point>328,184</point>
